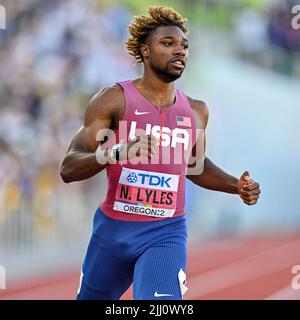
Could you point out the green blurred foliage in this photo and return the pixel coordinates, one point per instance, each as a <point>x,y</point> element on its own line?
<point>214,13</point>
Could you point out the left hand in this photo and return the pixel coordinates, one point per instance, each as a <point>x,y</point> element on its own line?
<point>248,189</point>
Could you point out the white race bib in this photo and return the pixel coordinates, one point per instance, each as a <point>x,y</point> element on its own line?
<point>146,193</point>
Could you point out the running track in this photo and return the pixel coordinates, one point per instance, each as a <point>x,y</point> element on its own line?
<point>257,268</point>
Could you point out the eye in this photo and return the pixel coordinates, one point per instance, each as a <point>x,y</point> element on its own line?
<point>185,46</point>
<point>167,44</point>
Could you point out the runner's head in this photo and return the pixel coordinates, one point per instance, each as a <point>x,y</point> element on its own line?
<point>159,41</point>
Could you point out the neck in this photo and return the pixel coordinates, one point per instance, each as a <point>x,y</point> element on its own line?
<point>161,91</point>
<point>157,85</point>
<point>158,92</point>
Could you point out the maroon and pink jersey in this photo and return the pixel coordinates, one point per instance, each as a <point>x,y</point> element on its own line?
<point>145,189</point>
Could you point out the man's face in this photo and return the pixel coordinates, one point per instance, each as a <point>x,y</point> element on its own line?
<point>168,52</point>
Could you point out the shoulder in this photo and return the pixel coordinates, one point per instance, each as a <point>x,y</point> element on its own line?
<point>106,103</point>
<point>200,110</point>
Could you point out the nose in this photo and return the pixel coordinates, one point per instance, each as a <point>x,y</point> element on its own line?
<point>179,51</point>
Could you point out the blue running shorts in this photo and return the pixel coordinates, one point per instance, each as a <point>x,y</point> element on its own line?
<point>152,255</point>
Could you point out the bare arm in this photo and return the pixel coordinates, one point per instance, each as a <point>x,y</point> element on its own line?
<point>102,112</point>
<point>213,177</point>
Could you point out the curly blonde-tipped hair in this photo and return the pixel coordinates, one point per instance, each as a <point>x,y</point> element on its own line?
<point>141,26</point>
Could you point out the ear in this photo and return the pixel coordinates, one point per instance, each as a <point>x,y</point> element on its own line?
<point>145,50</point>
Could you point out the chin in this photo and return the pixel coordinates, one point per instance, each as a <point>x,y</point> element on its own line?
<point>168,75</point>
<point>174,76</point>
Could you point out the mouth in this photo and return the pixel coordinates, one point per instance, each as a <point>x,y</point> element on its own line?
<point>178,63</point>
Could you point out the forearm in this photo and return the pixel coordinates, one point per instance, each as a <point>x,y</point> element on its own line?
<point>79,166</point>
<point>214,178</point>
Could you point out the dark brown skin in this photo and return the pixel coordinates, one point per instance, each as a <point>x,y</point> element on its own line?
<point>106,109</point>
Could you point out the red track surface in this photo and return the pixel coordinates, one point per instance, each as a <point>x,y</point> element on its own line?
<point>224,269</point>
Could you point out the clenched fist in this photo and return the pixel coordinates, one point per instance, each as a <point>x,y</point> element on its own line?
<point>248,189</point>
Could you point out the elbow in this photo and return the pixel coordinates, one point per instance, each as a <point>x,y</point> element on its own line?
<point>65,175</point>
<point>191,178</point>
<point>195,179</point>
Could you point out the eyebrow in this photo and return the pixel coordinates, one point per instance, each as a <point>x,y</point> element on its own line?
<point>171,37</point>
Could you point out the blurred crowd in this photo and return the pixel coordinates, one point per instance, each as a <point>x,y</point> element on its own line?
<point>54,55</point>
<point>267,37</point>
<point>280,28</point>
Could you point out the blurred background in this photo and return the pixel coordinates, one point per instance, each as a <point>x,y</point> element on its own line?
<point>244,63</point>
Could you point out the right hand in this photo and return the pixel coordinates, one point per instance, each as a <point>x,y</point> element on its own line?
<point>144,145</point>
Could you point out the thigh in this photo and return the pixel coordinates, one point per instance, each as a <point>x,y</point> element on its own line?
<point>104,275</point>
<point>159,272</point>
<point>106,272</point>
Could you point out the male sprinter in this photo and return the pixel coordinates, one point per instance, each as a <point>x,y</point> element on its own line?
<point>139,231</point>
